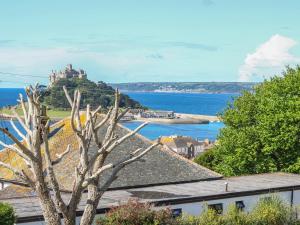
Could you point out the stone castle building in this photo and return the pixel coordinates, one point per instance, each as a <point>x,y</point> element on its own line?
<point>68,73</point>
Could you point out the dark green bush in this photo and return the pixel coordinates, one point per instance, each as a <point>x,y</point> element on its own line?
<point>7,214</point>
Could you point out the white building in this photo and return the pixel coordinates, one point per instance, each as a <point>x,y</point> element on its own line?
<point>162,177</point>
<point>186,146</point>
<point>190,198</point>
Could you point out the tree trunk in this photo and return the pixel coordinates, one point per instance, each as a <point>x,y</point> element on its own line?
<point>49,211</point>
<point>91,205</point>
<point>71,220</point>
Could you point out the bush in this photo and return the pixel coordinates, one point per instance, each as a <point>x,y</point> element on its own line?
<point>273,211</point>
<point>7,214</point>
<point>268,211</point>
<point>136,213</point>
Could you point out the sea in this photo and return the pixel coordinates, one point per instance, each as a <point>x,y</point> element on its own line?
<point>193,103</point>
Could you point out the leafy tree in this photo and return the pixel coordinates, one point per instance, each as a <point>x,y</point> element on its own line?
<point>92,93</point>
<point>262,130</point>
<point>7,214</point>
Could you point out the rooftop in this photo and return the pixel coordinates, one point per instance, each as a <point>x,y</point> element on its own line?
<point>28,206</point>
<point>159,166</point>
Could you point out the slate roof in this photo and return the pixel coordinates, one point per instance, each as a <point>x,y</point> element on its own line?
<point>171,194</point>
<point>180,141</point>
<point>159,166</point>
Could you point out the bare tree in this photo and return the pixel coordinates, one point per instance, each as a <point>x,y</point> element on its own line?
<point>90,167</point>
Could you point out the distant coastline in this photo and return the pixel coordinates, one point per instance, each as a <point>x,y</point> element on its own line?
<point>185,87</point>
<point>176,92</point>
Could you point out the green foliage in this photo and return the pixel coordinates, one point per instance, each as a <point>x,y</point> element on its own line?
<point>92,93</point>
<point>136,213</point>
<point>273,211</point>
<point>262,130</point>
<point>270,210</point>
<point>7,214</point>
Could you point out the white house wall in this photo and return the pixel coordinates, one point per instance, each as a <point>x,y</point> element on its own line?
<point>196,208</point>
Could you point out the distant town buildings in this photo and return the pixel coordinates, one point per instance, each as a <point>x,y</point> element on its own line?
<point>68,73</point>
<point>186,146</point>
<point>157,114</point>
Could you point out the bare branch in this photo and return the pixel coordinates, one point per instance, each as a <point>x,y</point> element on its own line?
<point>124,138</point>
<point>18,151</point>
<point>57,195</point>
<point>20,120</point>
<point>127,160</point>
<point>17,130</point>
<point>61,156</point>
<point>23,148</point>
<point>68,96</point>
<point>25,113</point>
<point>105,119</point>
<point>16,172</point>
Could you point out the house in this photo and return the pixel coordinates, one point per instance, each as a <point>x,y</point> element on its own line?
<point>186,146</point>
<point>127,117</point>
<point>162,177</point>
<point>191,197</point>
<point>67,73</point>
<point>157,114</point>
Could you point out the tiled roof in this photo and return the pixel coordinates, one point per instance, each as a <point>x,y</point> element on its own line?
<point>159,166</point>
<point>180,141</point>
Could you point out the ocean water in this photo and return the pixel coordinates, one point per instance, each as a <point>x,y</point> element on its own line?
<point>9,96</point>
<point>206,104</point>
<point>193,103</point>
<point>198,131</point>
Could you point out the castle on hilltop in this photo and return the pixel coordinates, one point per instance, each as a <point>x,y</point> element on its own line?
<point>68,73</point>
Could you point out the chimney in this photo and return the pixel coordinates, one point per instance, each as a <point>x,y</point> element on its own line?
<point>226,186</point>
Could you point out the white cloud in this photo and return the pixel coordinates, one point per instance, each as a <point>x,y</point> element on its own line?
<point>32,60</point>
<point>269,58</point>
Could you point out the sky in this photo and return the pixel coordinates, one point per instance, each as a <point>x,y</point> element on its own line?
<point>158,40</point>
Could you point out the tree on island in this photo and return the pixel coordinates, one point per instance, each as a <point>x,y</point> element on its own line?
<point>92,93</point>
<point>35,150</point>
<point>262,130</point>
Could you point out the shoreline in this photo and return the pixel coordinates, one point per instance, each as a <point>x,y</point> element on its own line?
<point>181,118</point>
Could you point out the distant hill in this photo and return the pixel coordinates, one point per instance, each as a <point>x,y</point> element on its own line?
<point>189,87</point>
<point>92,93</point>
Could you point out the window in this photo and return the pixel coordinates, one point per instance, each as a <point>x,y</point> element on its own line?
<point>217,207</point>
<point>240,205</point>
<point>176,212</point>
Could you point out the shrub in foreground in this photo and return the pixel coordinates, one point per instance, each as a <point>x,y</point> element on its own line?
<point>268,211</point>
<point>136,213</point>
<point>7,214</point>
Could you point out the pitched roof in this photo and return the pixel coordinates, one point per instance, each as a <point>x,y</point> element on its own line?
<point>180,141</point>
<point>159,166</point>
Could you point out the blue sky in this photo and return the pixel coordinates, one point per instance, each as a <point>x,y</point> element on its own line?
<point>157,40</point>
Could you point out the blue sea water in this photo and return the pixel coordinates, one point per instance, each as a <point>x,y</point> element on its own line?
<point>206,104</point>
<point>9,96</point>
<point>192,103</point>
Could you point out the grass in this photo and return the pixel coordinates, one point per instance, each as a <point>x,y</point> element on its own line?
<point>52,113</point>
